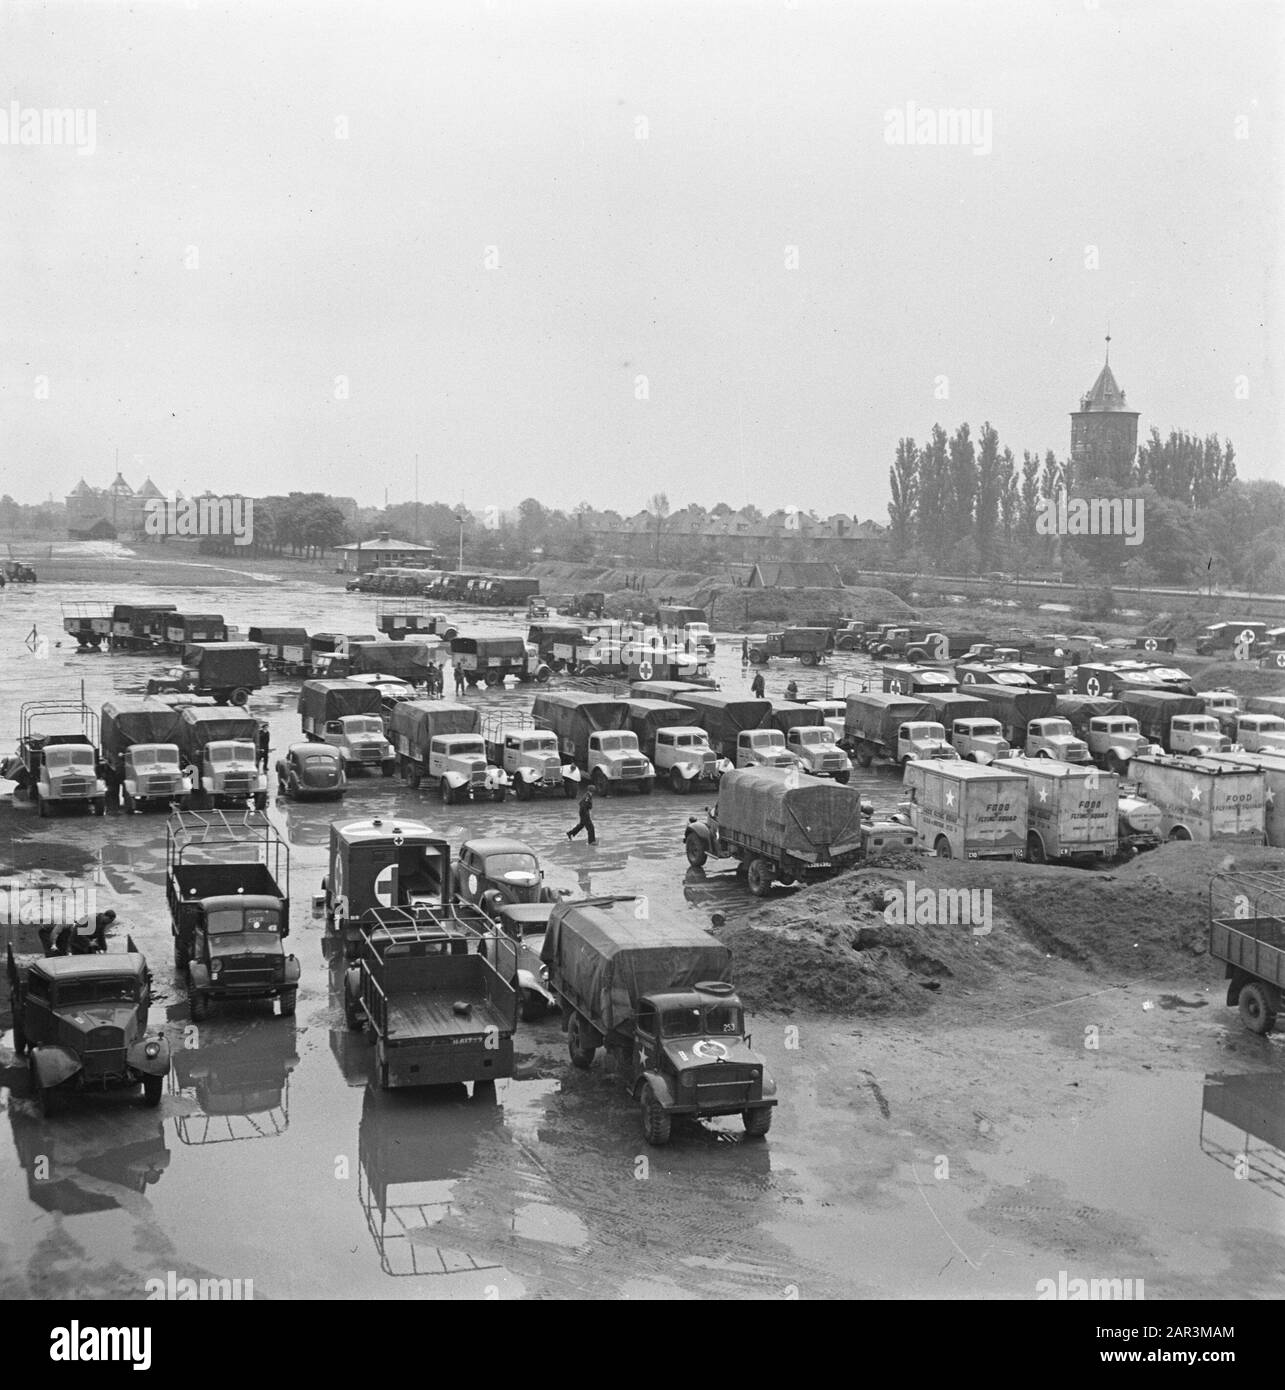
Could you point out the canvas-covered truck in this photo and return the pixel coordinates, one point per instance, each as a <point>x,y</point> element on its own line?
<point>183,628</point>
<point>1014,707</point>
<point>657,996</point>
<point>781,827</point>
<point>220,754</point>
<point>141,762</point>
<point>593,732</point>
<point>897,727</point>
<point>492,658</point>
<point>58,757</point>
<point>1157,711</point>
<point>724,717</point>
<point>229,671</point>
<point>1112,734</point>
<point>676,746</point>
<point>1053,737</point>
<point>763,748</point>
<point>227,881</point>
<point>1247,933</point>
<point>347,715</point>
<point>285,650</point>
<point>677,691</point>
<point>903,678</point>
<point>440,741</point>
<point>808,645</point>
<point>811,742</point>
<point>960,810</point>
<point>137,627</point>
<point>688,626</point>
<point>1272,766</point>
<point>529,757</point>
<point>402,617</point>
<point>915,641</point>
<point>437,995</point>
<point>1238,638</point>
<point>1260,733</point>
<point>983,740</point>
<point>1072,812</point>
<point>82,1021</point>
<point>1203,798</point>
<point>405,660</point>
<point>89,623</point>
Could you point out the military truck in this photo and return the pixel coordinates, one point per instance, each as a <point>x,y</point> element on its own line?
<point>138,627</point>
<point>1176,723</point>
<point>493,658</point>
<point>763,748</point>
<point>89,623</point>
<point>915,641</point>
<point>808,644</point>
<point>676,691</point>
<point>960,810</point>
<point>1203,798</point>
<point>1260,733</point>
<point>1053,737</point>
<point>1014,707</point>
<point>58,752</point>
<point>1247,933</point>
<point>181,629</point>
<point>229,671</point>
<point>689,626</point>
<point>810,741</point>
<point>979,737</point>
<point>381,862</point>
<point>1236,638</point>
<point>220,754</point>
<point>676,746</point>
<point>141,761</point>
<point>779,826</point>
<point>725,717</point>
<point>546,636</point>
<point>398,618</point>
<point>347,715</point>
<point>285,650</point>
<point>436,992</point>
<point>528,756</point>
<point>82,1021</point>
<point>440,740</point>
<point>1072,812</point>
<point>1112,734</point>
<point>1225,706</point>
<point>656,995</point>
<point>897,727</point>
<point>593,733</point>
<point>903,678</point>
<point>1272,766</point>
<point>227,882</point>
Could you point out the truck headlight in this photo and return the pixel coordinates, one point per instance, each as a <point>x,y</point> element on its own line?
<point>153,1049</point>
<point>216,967</point>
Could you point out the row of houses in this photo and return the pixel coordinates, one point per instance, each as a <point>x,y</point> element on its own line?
<point>785,524</point>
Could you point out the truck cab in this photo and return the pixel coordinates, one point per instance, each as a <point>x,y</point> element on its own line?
<point>763,748</point>
<point>361,742</point>
<point>683,756</point>
<point>923,739</point>
<point>1261,733</point>
<point>1197,734</point>
<point>979,740</point>
<point>532,762</point>
<point>82,1020</point>
<point>699,638</point>
<point>834,712</point>
<point>151,772</point>
<point>229,768</point>
<point>458,764</point>
<point>616,760</point>
<point>1114,739</point>
<point>1225,707</point>
<point>816,750</point>
<point>1054,738</point>
<point>65,774</point>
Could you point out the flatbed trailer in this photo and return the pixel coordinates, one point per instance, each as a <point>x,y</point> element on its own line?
<point>1247,933</point>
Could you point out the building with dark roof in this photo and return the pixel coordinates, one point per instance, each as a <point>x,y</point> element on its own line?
<point>1104,431</point>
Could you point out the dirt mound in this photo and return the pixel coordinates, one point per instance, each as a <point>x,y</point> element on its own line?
<point>758,610</point>
<point>830,947</point>
<point>1241,676</point>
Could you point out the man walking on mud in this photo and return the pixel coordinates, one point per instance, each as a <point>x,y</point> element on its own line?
<point>586,818</point>
<point>758,685</point>
<point>459,679</point>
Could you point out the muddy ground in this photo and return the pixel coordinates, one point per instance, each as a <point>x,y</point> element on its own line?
<point>961,1115</point>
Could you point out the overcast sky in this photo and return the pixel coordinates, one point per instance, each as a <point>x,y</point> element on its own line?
<point>511,129</point>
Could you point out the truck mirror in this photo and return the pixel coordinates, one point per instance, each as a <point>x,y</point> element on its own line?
<point>318,906</point>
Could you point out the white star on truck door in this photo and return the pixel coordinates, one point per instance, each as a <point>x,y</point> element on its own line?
<point>1044,793</point>
<point>1195,793</point>
<point>950,798</point>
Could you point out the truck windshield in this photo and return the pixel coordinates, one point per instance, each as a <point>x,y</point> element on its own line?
<point>162,757</point>
<point>688,741</point>
<point>231,920</point>
<point>232,753</point>
<point>1056,728</point>
<point>815,735</point>
<point>616,743</point>
<point>1203,725</point>
<point>364,724</point>
<point>466,747</point>
<point>81,992</point>
<point>69,757</point>
<point>541,745</point>
<point>696,1022</point>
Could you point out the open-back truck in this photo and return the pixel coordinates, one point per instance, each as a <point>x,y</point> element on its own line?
<point>1247,933</point>
<point>228,886</point>
<point>657,996</point>
<point>58,750</point>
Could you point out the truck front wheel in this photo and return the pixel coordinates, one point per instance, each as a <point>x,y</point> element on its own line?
<point>757,1122</point>
<point>444,790</point>
<point>601,784</point>
<point>678,783</point>
<point>807,658</point>
<point>580,1052</point>
<point>288,1001</point>
<point>655,1119</point>
<point>152,1091</point>
<point>759,876</point>
<point>864,756</point>
<point>197,1004</point>
<point>696,852</point>
<point>46,1098</point>
<point>127,803</point>
<point>1256,1011</point>
<point>1035,849</point>
<point>843,778</point>
<point>240,696</point>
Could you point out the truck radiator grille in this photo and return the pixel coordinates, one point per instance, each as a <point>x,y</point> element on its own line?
<point>104,1052</point>
<point>75,786</point>
<point>633,769</point>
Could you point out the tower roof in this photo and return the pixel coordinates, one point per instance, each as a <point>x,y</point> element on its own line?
<point>149,489</point>
<point>1105,393</point>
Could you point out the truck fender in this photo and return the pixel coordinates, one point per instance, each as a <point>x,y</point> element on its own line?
<point>1123,755</point>
<point>570,772</point>
<point>455,780</point>
<point>496,777</point>
<point>701,832</point>
<point>527,774</point>
<point>293,970</point>
<point>688,770</point>
<point>659,1085</point>
<point>529,980</point>
<point>199,974</point>
<point>138,1059</point>
<point>769,1084</point>
<point>54,1065</point>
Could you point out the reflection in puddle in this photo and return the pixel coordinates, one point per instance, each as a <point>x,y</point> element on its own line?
<point>1242,1126</point>
<point>233,1088</point>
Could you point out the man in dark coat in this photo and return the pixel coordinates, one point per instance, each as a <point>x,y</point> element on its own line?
<point>586,818</point>
<point>758,685</point>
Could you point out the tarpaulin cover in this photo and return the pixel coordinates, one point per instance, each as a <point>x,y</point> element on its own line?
<point>128,722</point>
<point>646,716</point>
<point>804,817</point>
<point>786,717</point>
<point>877,716</point>
<point>606,958</point>
<point>279,636</point>
<point>507,648</point>
<point>662,690</point>
<point>1079,709</point>
<point>406,659</point>
<point>1015,704</point>
<point>203,724</point>
<point>1160,704</point>
<point>947,706</point>
<point>322,700</point>
<point>573,717</point>
<point>723,717</point>
<point>224,663</point>
<point>422,720</point>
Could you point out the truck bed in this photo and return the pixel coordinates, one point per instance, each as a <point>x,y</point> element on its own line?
<point>1255,945</point>
<point>429,1015</point>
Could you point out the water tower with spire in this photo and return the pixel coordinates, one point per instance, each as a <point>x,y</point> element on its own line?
<point>1104,431</point>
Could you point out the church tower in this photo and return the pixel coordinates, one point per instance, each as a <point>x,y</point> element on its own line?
<point>1104,432</point>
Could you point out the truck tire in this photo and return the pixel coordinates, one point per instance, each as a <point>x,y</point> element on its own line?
<point>645,786</point>
<point>569,788</point>
<point>864,756</point>
<point>696,852</point>
<point>444,791</point>
<point>1256,1011</point>
<point>1035,849</point>
<point>1043,753</point>
<point>655,1118</point>
<point>240,696</point>
<point>759,875</point>
<point>807,658</point>
<point>757,1122</point>
<point>1118,765</point>
<point>152,1091</point>
<point>758,657</point>
<point>47,1098</point>
<point>497,793</point>
<point>601,782</point>
<point>522,789</point>
<point>19,1033</point>
<point>580,1052</point>
<point>42,806</point>
<point>843,778</point>
<point>197,1004</point>
<point>678,783</point>
<point>127,803</point>
<point>289,999</point>
<point>388,766</point>
<point>942,848</point>
<point>182,956</point>
<point>494,678</point>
